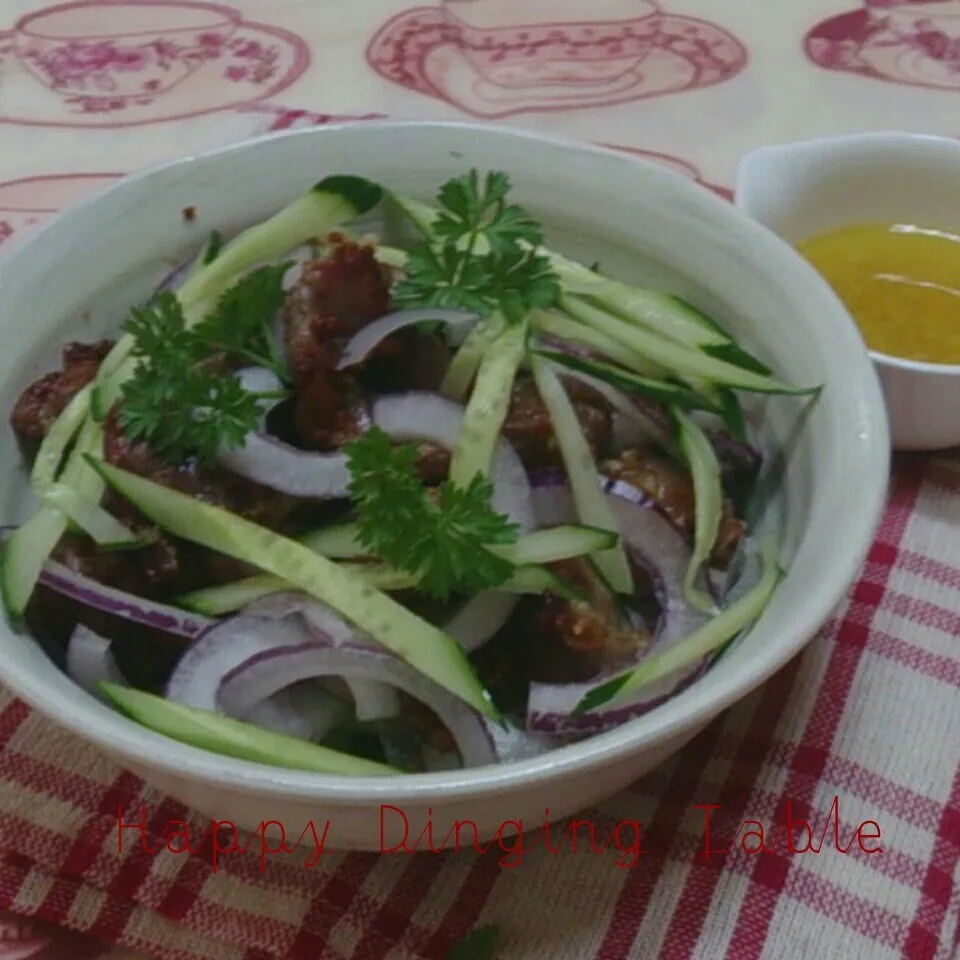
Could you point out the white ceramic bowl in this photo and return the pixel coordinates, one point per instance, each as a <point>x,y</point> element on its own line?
<point>801,189</point>
<point>77,276</point>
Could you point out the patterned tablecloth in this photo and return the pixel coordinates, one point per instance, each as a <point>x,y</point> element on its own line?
<point>860,731</point>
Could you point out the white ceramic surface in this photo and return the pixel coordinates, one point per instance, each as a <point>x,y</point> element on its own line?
<point>801,189</point>
<point>641,221</point>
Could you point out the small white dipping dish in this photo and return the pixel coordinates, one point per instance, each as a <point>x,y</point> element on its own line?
<point>78,275</point>
<point>802,189</point>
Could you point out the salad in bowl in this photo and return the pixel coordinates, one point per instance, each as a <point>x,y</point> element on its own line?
<point>428,498</point>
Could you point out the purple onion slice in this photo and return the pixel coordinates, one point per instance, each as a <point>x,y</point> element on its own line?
<point>655,543</point>
<point>265,674</point>
<point>127,606</point>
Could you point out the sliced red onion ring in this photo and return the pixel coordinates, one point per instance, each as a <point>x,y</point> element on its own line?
<point>480,618</point>
<point>654,542</point>
<point>299,473</point>
<point>90,662</point>
<point>372,701</point>
<point>362,343</point>
<point>265,674</point>
<point>77,587</point>
<point>197,678</point>
<point>306,710</point>
<point>408,416</point>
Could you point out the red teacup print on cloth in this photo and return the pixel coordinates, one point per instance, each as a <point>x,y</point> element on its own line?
<point>112,63</point>
<point>912,42</point>
<point>22,939</point>
<point>497,58</point>
<point>27,201</point>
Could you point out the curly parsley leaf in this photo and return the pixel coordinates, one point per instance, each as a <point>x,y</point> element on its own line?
<point>178,399</point>
<point>441,539</point>
<point>240,324</point>
<point>482,254</point>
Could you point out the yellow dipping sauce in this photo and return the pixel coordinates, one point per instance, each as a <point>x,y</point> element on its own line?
<point>900,282</point>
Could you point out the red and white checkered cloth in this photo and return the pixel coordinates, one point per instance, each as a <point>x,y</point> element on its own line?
<point>865,722</point>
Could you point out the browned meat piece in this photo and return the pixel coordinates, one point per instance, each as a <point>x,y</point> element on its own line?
<point>670,486</point>
<point>335,297</point>
<point>47,397</point>
<point>330,410</point>
<point>146,572</point>
<point>570,642</point>
<point>529,427</point>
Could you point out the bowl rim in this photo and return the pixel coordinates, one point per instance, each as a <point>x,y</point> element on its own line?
<point>879,140</point>
<point>128,741</point>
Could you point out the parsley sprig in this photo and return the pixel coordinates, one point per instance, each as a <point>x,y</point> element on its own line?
<point>442,539</point>
<point>481,254</point>
<point>176,398</point>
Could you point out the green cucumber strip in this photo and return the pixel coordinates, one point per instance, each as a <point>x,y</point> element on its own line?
<point>662,313</point>
<point>114,370</point>
<point>340,542</point>
<point>422,215</point>
<point>543,546</point>
<point>488,406</point>
<point>331,201</point>
<point>556,544</point>
<point>569,328</point>
<point>23,555</point>
<point>697,450</point>
<point>30,545</point>
<point>658,312</point>
<point>466,361</point>
<point>694,314</point>
<point>235,738</point>
<point>523,580</point>
<point>591,502</point>
<point>684,361</point>
<point>584,313</point>
<point>54,445</point>
<point>710,637</point>
<point>535,580</point>
<point>230,597</point>
<point>90,517</point>
<point>425,648</point>
<point>661,390</point>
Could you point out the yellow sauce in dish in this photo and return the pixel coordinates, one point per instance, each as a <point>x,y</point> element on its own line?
<point>900,282</point>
